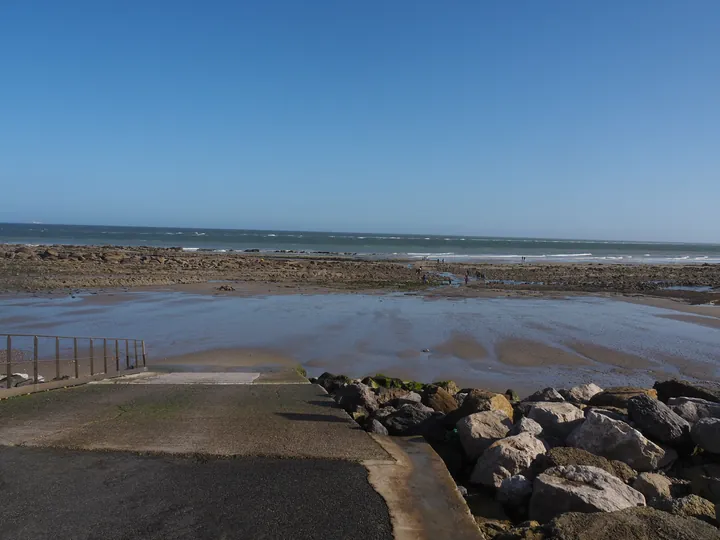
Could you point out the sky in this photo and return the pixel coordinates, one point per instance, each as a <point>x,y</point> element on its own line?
<point>524,118</point>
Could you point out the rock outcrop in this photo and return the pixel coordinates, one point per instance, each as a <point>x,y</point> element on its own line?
<point>614,439</point>
<point>657,421</point>
<point>557,419</point>
<point>505,458</point>
<point>580,488</point>
<point>479,430</point>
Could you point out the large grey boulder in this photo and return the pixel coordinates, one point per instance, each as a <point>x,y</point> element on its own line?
<point>412,419</point>
<point>690,506</point>
<point>582,393</point>
<point>678,388</point>
<point>557,419</point>
<point>653,485</point>
<point>526,425</point>
<point>657,421</point>
<point>547,394</point>
<point>479,430</point>
<point>579,488</point>
<point>514,491</point>
<point>640,523</point>
<point>693,409</point>
<point>566,455</point>
<point>706,434</point>
<point>374,426</point>
<point>614,439</point>
<point>353,396</point>
<point>505,458</point>
<point>479,401</point>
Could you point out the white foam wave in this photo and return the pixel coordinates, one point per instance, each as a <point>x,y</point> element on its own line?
<point>190,249</point>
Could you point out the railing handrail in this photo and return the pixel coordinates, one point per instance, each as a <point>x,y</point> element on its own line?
<point>93,342</point>
<point>71,337</point>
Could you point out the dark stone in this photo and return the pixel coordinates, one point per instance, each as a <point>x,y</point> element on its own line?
<point>547,394</point>
<point>438,399</point>
<point>332,382</point>
<point>563,456</point>
<point>373,426</point>
<point>619,396</point>
<point>413,419</point>
<point>679,388</point>
<point>657,421</point>
<point>639,523</point>
<point>352,397</point>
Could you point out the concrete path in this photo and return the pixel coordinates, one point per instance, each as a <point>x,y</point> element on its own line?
<point>214,454</point>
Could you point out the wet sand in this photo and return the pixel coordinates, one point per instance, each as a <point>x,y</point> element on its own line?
<point>492,342</point>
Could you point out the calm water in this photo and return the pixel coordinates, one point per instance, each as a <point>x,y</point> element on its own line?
<point>393,245</point>
<point>360,334</point>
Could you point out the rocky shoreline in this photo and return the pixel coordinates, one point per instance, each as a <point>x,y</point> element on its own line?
<point>583,463</point>
<point>64,267</point>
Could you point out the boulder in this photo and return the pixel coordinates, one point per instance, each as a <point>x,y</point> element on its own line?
<point>640,523</point>
<point>657,421</point>
<point>653,485</point>
<point>679,388</point>
<point>386,396</point>
<point>526,425</point>
<point>689,506</point>
<point>582,393</point>
<point>564,455</point>
<point>693,409</point>
<point>479,401</point>
<point>505,458</point>
<point>515,491</point>
<point>439,399</point>
<point>449,386</point>
<point>332,382</point>
<point>706,434</point>
<point>619,396</point>
<point>412,419</point>
<point>353,396</point>
<point>479,430</point>
<point>580,488</point>
<point>611,412</point>
<point>409,397</point>
<point>374,426</point>
<point>547,394</point>
<point>383,413</point>
<point>557,419</point>
<point>614,439</point>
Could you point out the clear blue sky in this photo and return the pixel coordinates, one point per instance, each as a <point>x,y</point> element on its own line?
<point>540,118</point>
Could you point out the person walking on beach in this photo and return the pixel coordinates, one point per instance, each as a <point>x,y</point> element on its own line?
<point>467,278</point>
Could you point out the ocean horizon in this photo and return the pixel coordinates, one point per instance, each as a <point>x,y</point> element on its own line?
<point>381,245</point>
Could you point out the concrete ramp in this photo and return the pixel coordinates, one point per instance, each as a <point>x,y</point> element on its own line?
<point>220,377</point>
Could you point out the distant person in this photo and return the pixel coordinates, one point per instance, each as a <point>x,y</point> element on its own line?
<point>424,278</point>
<point>467,278</point>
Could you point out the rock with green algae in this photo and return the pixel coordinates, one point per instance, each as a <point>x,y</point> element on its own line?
<point>449,386</point>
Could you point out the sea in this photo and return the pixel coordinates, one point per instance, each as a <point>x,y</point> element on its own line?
<point>400,246</point>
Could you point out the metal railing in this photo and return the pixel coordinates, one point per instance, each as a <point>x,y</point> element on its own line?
<point>86,355</point>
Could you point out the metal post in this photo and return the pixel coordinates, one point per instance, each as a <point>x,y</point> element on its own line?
<point>35,360</point>
<point>143,352</point>
<point>127,354</point>
<point>8,361</point>
<point>104,355</point>
<point>117,356</point>
<point>136,363</point>
<point>57,358</point>
<point>92,358</point>
<point>75,357</point>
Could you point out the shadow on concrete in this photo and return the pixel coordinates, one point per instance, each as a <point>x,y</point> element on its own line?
<point>325,403</point>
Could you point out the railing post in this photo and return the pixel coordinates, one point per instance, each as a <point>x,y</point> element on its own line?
<point>8,359</point>
<point>57,358</point>
<point>92,358</point>
<point>136,362</point>
<point>127,354</point>
<point>105,356</point>
<point>35,360</point>
<point>75,358</point>
<point>143,353</point>
<point>117,356</point>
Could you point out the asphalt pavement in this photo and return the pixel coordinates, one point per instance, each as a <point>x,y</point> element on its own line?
<point>64,494</point>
